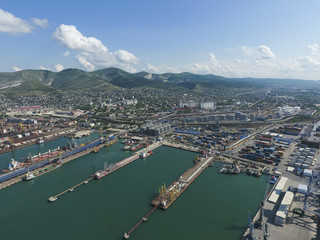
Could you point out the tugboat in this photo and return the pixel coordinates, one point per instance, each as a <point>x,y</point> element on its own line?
<point>96,150</point>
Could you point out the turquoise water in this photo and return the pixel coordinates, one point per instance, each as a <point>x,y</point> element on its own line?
<point>213,207</point>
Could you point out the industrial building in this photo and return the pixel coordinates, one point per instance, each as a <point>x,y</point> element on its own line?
<point>155,129</point>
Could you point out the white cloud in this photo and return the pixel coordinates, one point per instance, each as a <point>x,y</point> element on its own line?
<point>43,68</point>
<point>314,48</point>
<point>70,37</point>
<point>40,22</point>
<point>66,53</point>
<point>92,53</point>
<point>160,69</point>
<point>260,52</point>
<point>307,61</point>
<point>124,56</point>
<point>12,24</point>
<point>265,52</point>
<point>58,67</point>
<point>16,69</point>
<point>85,63</point>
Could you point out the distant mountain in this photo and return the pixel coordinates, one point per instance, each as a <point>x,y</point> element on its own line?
<point>42,81</point>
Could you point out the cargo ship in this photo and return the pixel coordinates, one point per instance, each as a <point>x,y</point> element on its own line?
<point>135,147</point>
<point>41,160</point>
<point>30,175</point>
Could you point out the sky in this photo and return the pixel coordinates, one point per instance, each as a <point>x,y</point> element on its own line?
<point>231,38</point>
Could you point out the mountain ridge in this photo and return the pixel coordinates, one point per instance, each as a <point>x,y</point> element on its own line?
<point>44,81</point>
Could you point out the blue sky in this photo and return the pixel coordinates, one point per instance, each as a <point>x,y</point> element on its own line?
<point>245,38</point>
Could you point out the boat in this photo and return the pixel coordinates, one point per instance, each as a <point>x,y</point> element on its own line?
<point>249,172</point>
<point>273,180</point>
<point>13,165</point>
<point>107,169</point>
<point>96,150</point>
<point>256,173</point>
<point>40,140</point>
<point>143,154</point>
<point>126,147</point>
<point>135,147</point>
<point>30,175</point>
<point>222,170</point>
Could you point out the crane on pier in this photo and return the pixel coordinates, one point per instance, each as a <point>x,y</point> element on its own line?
<point>251,235</point>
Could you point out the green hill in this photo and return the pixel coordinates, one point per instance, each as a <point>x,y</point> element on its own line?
<point>42,81</point>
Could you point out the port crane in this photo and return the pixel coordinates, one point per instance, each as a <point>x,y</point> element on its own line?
<point>251,235</point>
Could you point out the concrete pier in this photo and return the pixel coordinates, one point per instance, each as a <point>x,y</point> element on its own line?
<point>180,146</point>
<point>165,199</point>
<point>54,198</point>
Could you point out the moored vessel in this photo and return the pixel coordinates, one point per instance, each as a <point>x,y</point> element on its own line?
<point>30,175</point>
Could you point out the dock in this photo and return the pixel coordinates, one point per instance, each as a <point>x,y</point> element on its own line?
<point>54,156</point>
<point>54,198</point>
<point>133,157</point>
<point>168,195</point>
<point>144,219</point>
<point>180,146</point>
<point>120,164</point>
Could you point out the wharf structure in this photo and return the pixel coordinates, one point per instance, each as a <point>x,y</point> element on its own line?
<point>16,176</point>
<point>102,173</point>
<point>168,195</point>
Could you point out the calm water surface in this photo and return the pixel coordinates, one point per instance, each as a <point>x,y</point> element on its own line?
<point>213,207</point>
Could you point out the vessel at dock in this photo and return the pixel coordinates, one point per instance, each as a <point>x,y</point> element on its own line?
<point>41,160</point>
<point>96,150</point>
<point>13,165</point>
<point>145,154</point>
<point>126,147</point>
<point>135,147</point>
<point>107,169</point>
<point>30,175</point>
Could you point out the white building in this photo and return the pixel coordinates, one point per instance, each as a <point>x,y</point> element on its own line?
<point>208,105</point>
<point>287,110</point>
<point>132,101</point>
<point>189,103</point>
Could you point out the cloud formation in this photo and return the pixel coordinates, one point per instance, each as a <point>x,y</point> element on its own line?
<point>92,53</point>
<point>40,22</point>
<point>12,24</point>
<point>43,68</point>
<point>16,69</point>
<point>58,67</point>
<point>66,53</point>
<point>258,61</point>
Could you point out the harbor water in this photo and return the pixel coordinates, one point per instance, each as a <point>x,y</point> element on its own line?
<point>213,207</point>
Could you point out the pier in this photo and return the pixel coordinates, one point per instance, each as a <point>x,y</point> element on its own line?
<point>52,157</point>
<point>144,219</point>
<point>168,195</point>
<point>180,146</point>
<point>120,164</point>
<point>54,198</point>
